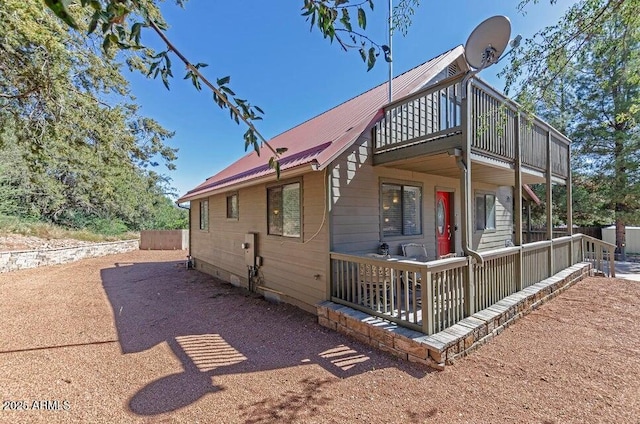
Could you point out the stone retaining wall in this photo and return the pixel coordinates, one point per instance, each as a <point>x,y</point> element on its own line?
<point>456,341</point>
<point>15,260</point>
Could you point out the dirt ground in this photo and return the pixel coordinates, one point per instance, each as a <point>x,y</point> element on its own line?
<point>137,338</point>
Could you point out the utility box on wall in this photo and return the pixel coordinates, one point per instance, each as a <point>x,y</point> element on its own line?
<point>249,247</point>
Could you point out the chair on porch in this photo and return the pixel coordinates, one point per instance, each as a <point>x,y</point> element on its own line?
<point>375,289</point>
<point>416,252</point>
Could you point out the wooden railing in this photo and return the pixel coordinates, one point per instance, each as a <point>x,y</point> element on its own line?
<point>492,123</point>
<point>494,128</point>
<point>436,112</point>
<point>601,255</point>
<point>562,258</point>
<point>535,262</point>
<point>496,278</point>
<point>424,296</point>
<point>432,296</point>
<point>427,115</point>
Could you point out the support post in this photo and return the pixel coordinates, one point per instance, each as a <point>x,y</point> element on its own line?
<point>549,203</point>
<point>427,301</point>
<point>517,204</point>
<point>569,185</point>
<point>466,194</point>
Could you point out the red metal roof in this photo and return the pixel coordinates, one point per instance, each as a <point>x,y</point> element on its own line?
<point>530,194</point>
<point>321,139</point>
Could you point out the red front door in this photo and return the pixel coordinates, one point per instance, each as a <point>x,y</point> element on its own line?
<point>444,231</point>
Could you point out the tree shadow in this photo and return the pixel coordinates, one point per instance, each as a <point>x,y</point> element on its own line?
<point>215,329</point>
<point>293,406</point>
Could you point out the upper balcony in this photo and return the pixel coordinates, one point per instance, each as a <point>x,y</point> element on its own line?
<point>417,131</point>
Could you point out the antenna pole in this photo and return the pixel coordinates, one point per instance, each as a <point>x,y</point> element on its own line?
<point>390,47</point>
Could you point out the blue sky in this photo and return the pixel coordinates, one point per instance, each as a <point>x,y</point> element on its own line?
<point>291,73</point>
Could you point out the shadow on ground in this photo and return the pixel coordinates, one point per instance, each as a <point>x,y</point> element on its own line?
<point>214,329</point>
<point>628,270</point>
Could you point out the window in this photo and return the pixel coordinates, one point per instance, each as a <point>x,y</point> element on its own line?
<point>232,206</point>
<point>401,210</point>
<point>204,215</point>
<point>485,212</point>
<point>283,210</point>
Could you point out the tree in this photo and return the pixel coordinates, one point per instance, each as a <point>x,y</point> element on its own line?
<point>583,75</point>
<point>78,150</point>
<point>120,23</point>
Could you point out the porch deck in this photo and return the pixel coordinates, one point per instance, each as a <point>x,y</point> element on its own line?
<point>436,296</point>
<point>445,346</point>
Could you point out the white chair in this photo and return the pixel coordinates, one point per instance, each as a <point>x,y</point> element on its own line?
<point>375,284</point>
<point>415,251</point>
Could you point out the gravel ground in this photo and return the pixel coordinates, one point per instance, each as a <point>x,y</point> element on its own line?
<point>137,338</point>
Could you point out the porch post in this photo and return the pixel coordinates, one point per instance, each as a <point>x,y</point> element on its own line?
<point>529,222</point>
<point>466,193</point>
<point>569,185</point>
<point>549,203</point>
<point>517,206</point>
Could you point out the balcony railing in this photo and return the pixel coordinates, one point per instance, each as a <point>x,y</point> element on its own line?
<point>497,125</point>
<point>431,296</point>
<point>429,114</point>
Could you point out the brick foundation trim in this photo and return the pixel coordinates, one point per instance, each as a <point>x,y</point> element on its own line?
<point>458,340</point>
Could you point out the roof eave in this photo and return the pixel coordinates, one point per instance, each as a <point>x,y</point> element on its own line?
<point>284,174</point>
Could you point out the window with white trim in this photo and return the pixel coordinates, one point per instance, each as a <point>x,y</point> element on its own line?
<point>232,206</point>
<point>284,211</point>
<point>485,211</point>
<point>401,210</point>
<point>204,215</point>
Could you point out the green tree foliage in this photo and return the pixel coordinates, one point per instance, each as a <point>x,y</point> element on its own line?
<point>120,22</point>
<point>583,75</point>
<point>73,148</point>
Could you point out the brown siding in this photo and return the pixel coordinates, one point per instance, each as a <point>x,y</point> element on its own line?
<point>295,268</point>
<point>495,239</point>
<point>355,207</point>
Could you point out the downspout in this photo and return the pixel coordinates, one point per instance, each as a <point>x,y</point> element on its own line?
<point>465,207</point>
<point>189,259</point>
<point>463,160</point>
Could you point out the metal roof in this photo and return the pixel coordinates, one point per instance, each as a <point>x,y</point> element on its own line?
<point>321,139</point>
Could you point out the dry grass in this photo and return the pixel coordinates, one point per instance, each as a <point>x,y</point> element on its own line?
<point>13,225</point>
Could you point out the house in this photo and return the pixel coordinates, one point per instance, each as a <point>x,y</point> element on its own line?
<point>435,167</point>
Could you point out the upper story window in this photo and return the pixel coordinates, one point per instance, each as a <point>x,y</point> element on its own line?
<point>232,206</point>
<point>204,214</point>
<point>283,210</point>
<point>401,210</point>
<point>485,211</point>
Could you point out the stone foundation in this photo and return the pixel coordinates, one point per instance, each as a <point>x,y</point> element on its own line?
<point>462,338</point>
<point>15,260</point>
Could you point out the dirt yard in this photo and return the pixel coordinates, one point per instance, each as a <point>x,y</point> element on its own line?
<point>137,338</point>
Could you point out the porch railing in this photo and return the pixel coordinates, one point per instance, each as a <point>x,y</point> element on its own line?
<point>497,278</point>
<point>424,296</point>
<point>436,112</point>
<point>429,114</point>
<point>601,255</point>
<point>431,296</point>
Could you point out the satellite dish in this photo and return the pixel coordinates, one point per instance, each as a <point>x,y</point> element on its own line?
<point>487,42</point>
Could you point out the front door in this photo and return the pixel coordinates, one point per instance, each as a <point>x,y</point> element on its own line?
<point>444,232</point>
